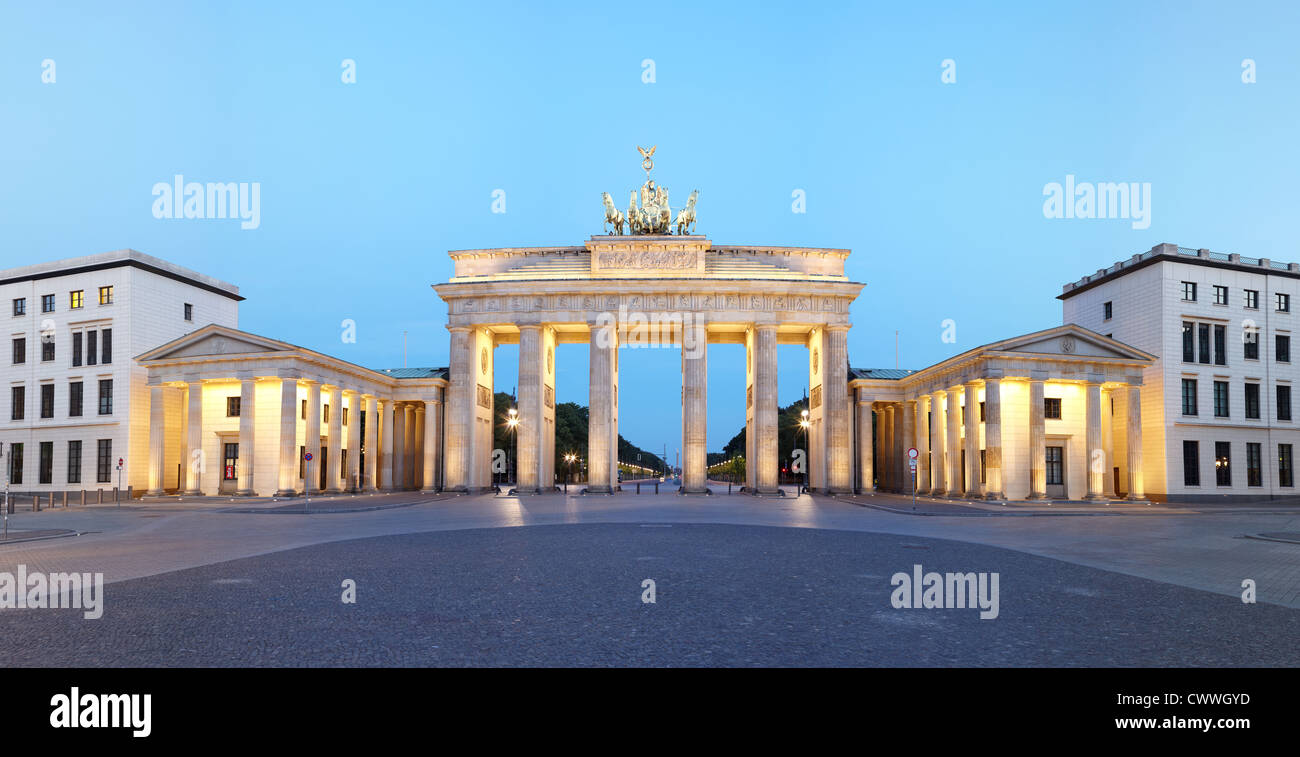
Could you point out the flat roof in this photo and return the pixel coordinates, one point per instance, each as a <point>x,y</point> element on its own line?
<point>1173,253</point>
<point>117,259</point>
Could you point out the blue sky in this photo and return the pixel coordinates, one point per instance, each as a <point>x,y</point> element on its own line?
<point>937,188</point>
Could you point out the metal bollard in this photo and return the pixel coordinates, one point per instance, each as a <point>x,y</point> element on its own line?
<point>83,497</point>
<point>101,496</point>
<point>65,499</point>
<point>36,504</point>
<point>638,487</point>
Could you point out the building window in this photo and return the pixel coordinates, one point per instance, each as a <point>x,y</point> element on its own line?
<point>47,401</point>
<point>1220,295</point>
<point>1220,345</point>
<point>1055,465</point>
<point>1189,396</point>
<point>304,412</point>
<point>1191,464</point>
<point>1052,407</point>
<point>1250,343</point>
<point>232,407</point>
<point>325,413</point>
<point>20,350</point>
<point>104,462</point>
<point>74,399</point>
<point>106,346</point>
<point>1220,399</point>
<point>1252,401</point>
<point>106,295</point>
<point>1222,464</point>
<point>1252,299</point>
<point>76,299</point>
<point>1282,348</point>
<point>106,396</point>
<point>302,463</point>
<point>1107,311</point>
<point>1283,402</point>
<point>16,463</point>
<point>1285,471</point>
<point>47,303</point>
<point>1189,291</point>
<point>76,349</point>
<point>1283,303</point>
<point>46,473</point>
<point>1189,343</point>
<point>91,356</point>
<point>983,475</point>
<point>47,349</point>
<point>189,312</point>
<point>1254,474</point>
<point>981,412</point>
<point>20,306</point>
<point>1203,340</point>
<point>17,403</point>
<point>74,462</point>
<point>345,415</point>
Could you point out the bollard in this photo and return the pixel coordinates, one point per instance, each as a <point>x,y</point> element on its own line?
<point>101,496</point>
<point>65,499</point>
<point>656,487</point>
<point>638,487</point>
<point>83,497</point>
<point>130,492</point>
<point>36,504</point>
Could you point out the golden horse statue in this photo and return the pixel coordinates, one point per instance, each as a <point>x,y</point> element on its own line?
<point>686,218</point>
<point>612,216</point>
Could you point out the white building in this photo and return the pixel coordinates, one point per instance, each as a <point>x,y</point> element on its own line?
<point>1217,406</point>
<point>74,400</point>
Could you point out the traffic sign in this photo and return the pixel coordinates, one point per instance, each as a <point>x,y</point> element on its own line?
<point>307,457</point>
<point>911,453</point>
<point>911,464</point>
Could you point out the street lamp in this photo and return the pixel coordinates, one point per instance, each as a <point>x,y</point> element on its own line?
<point>568,469</point>
<point>805,425</point>
<point>512,422</point>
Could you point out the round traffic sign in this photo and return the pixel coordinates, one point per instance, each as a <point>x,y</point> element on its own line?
<point>307,457</point>
<point>911,452</point>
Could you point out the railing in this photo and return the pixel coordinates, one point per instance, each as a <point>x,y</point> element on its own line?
<point>1222,257</point>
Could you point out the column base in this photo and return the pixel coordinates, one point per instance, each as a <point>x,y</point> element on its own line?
<point>333,491</point>
<point>995,496</point>
<point>286,493</point>
<point>1036,496</point>
<point>155,493</point>
<point>1138,498</point>
<point>599,490</point>
<point>245,493</point>
<point>836,491</point>
<point>192,493</point>
<point>1096,498</point>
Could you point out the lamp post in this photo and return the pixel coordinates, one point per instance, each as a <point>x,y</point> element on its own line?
<point>805,424</point>
<point>568,469</point>
<point>512,422</point>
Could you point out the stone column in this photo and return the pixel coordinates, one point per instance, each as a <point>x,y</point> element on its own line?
<point>1135,483</point>
<point>602,445</point>
<point>196,466</point>
<point>288,484</point>
<point>417,448</point>
<point>530,430</point>
<point>431,410</point>
<point>157,437</point>
<point>397,456</point>
<point>247,444</point>
<point>695,407</point>
<point>907,442</point>
<point>334,443</point>
<point>887,478</point>
<point>902,477</point>
<point>1037,442</point>
<point>938,427</point>
<point>923,444</point>
<point>974,490</point>
<point>953,444</point>
<point>461,399</point>
<point>882,451</point>
<point>385,452</point>
<point>836,395</point>
<point>866,439</point>
<point>352,478</point>
<point>1096,454</point>
<point>767,456</point>
<point>407,478</point>
<point>311,439</point>
<point>370,477</point>
<point>1108,442</point>
<point>993,438</point>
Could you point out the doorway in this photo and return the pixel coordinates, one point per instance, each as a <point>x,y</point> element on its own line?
<point>1056,472</point>
<point>229,467</point>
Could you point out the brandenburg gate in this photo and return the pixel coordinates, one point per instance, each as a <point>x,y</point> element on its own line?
<point>646,287</point>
